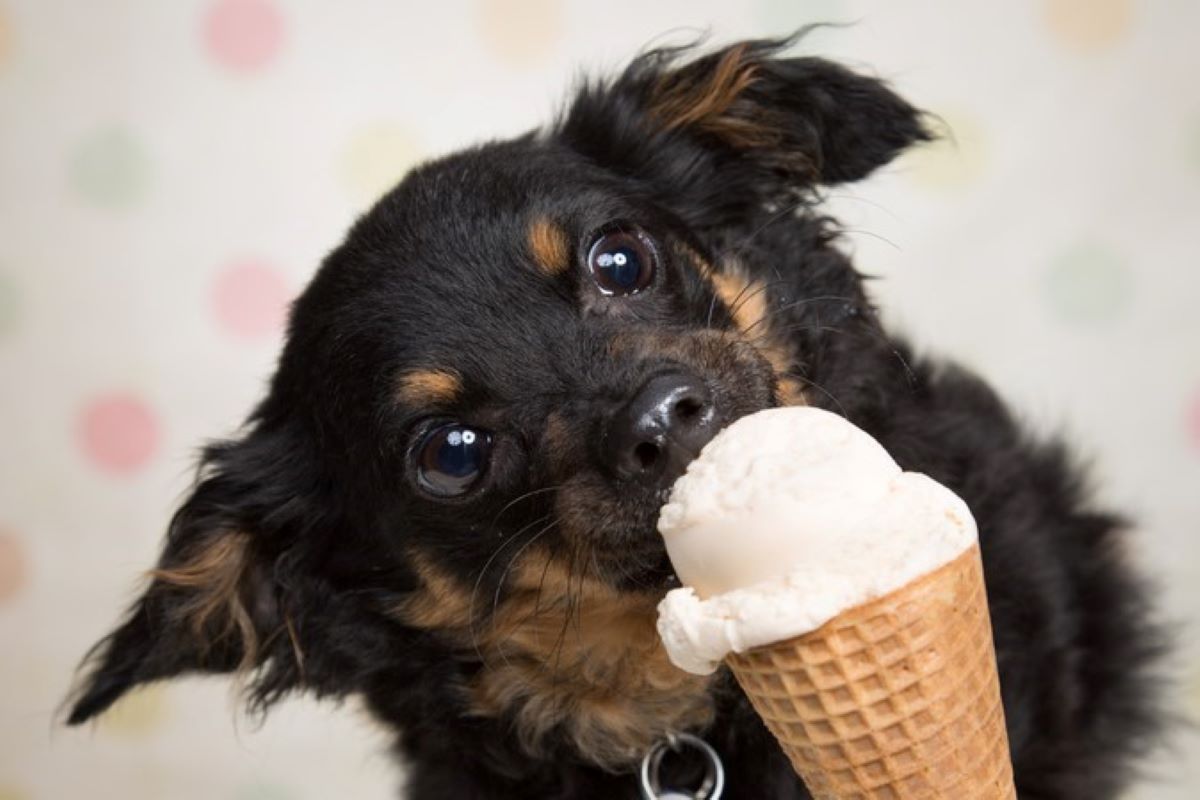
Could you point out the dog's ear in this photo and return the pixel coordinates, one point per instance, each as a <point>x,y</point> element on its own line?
<point>217,601</point>
<point>739,126</point>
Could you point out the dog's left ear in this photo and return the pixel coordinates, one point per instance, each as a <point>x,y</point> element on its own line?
<point>740,125</point>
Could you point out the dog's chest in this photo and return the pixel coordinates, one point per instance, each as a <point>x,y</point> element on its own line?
<point>569,659</point>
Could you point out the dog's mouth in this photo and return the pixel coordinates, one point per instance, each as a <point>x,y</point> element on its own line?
<point>642,563</point>
<point>704,383</point>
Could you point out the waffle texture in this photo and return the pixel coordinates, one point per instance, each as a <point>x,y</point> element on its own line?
<point>895,699</point>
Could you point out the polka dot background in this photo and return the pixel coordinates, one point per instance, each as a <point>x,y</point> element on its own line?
<point>243,35</point>
<point>955,162</point>
<point>118,433</point>
<point>375,157</point>
<point>1089,25</point>
<point>12,566</point>
<point>4,38</point>
<point>250,299</point>
<point>8,305</point>
<point>1193,142</point>
<point>176,171</point>
<point>110,168</point>
<point>1088,283</point>
<point>520,33</point>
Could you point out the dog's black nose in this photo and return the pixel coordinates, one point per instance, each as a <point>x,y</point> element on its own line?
<point>661,429</point>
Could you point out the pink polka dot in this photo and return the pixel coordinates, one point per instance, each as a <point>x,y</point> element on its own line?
<point>12,567</point>
<point>250,299</point>
<point>118,433</point>
<point>243,35</point>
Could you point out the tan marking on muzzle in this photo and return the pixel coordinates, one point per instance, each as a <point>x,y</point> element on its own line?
<point>746,300</point>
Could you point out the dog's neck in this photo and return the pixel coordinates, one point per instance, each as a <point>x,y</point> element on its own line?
<point>565,657</point>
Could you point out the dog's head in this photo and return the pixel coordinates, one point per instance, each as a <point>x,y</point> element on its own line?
<point>487,389</point>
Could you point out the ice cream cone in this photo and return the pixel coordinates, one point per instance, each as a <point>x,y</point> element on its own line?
<point>895,698</point>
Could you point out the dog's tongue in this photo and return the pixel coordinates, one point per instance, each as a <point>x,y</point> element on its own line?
<point>788,517</point>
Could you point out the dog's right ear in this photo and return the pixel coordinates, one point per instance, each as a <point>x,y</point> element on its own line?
<point>738,127</point>
<point>222,597</point>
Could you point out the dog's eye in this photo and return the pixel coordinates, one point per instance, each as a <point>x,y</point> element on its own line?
<point>622,262</point>
<point>452,458</point>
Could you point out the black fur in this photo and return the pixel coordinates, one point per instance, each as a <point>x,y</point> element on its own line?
<point>438,275</point>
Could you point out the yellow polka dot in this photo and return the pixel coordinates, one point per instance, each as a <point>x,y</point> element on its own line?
<point>1088,25</point>
<point>1193,692</point>
<point>137,714</point>
<point>11,793</point>
<point>376,159</point>
<point>5,47</point>
<point>955,161</point>
<point>14,567</point>
<point>521,33</point>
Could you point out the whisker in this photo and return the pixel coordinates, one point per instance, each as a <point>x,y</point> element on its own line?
<point>797,304</point>
<point>579,596</point>
<point>736,306</point>
<point>787,210</point>
<point>483,571</point>
<point>524,496</point>
<point>822,390</point>
<point>910,375</point>
<point>503,575</point>
<point>561,641</point>
<point>864,201</point>
<point>884,239</point>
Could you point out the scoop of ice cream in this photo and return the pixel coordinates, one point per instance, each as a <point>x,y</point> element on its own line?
<point>787,518</point>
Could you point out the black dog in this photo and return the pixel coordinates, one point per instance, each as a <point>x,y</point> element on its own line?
<point>446,503</point>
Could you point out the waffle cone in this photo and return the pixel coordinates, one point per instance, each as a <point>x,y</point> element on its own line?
<point>897,698</point>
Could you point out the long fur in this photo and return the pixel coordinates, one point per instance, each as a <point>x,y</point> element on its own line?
<point>507,634</point>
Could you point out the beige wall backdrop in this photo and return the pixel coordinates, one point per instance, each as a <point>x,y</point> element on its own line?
<point>172,172</point>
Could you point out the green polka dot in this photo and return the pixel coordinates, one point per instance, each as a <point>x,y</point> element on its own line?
<point>782,17</point>
<point>1088,283</point>
<point>9,305</point>
<point>110,169</point>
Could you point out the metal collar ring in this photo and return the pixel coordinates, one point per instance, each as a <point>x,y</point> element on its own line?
<point>714,773</point>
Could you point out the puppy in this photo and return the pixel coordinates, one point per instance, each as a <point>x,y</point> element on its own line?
<point>446,502</point>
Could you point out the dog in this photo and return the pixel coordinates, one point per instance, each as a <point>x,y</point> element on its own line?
<point>446,502</point>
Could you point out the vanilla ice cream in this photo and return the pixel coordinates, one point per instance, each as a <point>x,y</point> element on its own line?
<point>787,518</point>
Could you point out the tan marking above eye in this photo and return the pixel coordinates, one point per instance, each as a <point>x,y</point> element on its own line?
<point>550,246</point>
<point>429,387</point>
